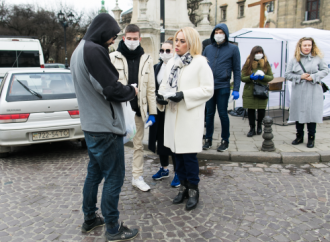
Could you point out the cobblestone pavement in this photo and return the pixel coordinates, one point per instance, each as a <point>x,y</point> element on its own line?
<point>40,200</point>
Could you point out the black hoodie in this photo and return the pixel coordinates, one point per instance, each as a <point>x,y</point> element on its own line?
<point>98,91</point>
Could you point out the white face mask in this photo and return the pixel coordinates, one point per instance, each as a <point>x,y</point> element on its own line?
<point>132,44</point>
<point>258,56</point>
<point>219,37</point>
<point>166,57</point>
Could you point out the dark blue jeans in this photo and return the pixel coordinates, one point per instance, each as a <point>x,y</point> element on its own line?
<point>219,99</point>
<point>187,167</point>
<point>106,154</point>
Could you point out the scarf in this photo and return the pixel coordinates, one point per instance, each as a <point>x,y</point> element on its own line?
<point>179,63</point>
<point>130,54</point>
<point>309,56</point>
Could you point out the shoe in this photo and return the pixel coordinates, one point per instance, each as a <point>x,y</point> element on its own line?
<point>207,145</point>
<point>140,184</point>
<point>310,143</point>
<point>90,225</point>
<point>223,147</point>
<point>252,131</point>
<point>299,139</point>
<point>123,234</point>
<point>259,129</point>
<point>161,174</point>
<point>193,193</point>
<point>183,193</point>
<point>176,181</point>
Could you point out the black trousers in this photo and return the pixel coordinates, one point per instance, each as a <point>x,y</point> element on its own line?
<point>187,167</point>
<point>310,126</point>
<point>164,160</point>
<point>252,116</point>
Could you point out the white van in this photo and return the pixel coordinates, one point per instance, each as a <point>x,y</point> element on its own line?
<point>20,53</point>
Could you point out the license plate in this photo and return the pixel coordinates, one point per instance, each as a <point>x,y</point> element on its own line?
<point>56,134</point>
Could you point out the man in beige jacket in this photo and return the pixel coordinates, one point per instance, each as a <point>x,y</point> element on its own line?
<point>136,67</point>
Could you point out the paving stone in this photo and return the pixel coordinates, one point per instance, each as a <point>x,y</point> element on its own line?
<point>256,157</point>
<point>300,158</point>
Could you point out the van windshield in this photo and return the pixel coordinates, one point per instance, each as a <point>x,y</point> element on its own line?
<point>18,58</point>
<point>49,85</point>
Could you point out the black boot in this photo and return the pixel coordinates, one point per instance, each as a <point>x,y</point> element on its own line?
<point>252,131</point>
<point>259,128</point>
<point>183,193</point>
<point>193,196</point>
<point>208,144</point>
<point>311,139</point>
<point>299,139</point>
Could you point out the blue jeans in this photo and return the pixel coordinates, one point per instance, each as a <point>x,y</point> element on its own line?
<point>220,99</point>
<point>187,167</point>
<point>106,154</point>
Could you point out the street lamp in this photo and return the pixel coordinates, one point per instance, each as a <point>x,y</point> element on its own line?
<point>63,21</point>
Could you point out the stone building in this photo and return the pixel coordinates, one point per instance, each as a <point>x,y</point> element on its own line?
<point>303,14</point>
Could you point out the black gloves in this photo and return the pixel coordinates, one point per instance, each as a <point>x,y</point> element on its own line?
<point>160,100</point>
<point>177,98</point>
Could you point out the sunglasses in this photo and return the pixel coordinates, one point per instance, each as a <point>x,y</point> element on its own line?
<point>168,51</point>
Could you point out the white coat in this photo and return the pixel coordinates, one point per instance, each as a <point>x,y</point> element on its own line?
<point>183,132</point>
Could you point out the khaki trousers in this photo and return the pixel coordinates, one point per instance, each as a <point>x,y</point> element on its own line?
<point>138,160</point>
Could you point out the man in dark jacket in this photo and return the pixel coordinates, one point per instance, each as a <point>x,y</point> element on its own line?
<point>224,58</point>
<point>99,97</point>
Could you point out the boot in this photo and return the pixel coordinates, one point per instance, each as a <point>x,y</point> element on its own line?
<point>183,193</point>
<point>252,131</point>
<point>259,128</point>
<point>193,196</point>
<point>299,139</point>
<point>311,139</point>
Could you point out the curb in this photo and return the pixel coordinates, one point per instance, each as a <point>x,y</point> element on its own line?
<point>259,157</point>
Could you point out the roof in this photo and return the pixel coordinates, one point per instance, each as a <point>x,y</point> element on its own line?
<point>127,12</point>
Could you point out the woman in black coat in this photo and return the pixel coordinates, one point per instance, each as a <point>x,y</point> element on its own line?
<point>156,131</point>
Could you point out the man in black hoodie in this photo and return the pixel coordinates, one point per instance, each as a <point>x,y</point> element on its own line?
<point>99,97</point>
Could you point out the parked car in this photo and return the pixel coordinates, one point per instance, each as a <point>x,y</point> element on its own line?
<point>38,106</point>
<point>20,52</point>
<point>55,65</point>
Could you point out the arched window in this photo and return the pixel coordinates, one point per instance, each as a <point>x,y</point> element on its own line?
<point>312,9</point>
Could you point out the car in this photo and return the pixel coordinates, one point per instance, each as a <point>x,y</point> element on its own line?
<point>38,106</point>
<point>55,65</point>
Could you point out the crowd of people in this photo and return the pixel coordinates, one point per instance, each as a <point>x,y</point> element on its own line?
<point>172,96</point>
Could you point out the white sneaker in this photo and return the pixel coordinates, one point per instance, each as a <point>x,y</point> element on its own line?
<point>139,183</point>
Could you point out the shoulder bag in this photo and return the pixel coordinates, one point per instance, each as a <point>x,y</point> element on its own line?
<point>324,86</point>
<point>260,91</point>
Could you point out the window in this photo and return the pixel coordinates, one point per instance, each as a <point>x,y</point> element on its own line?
<point>241,8</point>
<point>270,7</point>
<point>224,12</point>
<point>17,58</point>
<point>312,9</point>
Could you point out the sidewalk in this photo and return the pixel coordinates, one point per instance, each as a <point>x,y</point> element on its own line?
<point>242,148</point>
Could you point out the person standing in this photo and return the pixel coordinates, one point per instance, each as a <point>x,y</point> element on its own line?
<point>305,71</point>
<point>136,67</point>
<point>99,97</point>
<point>156,132</point>
<point>223,58</point>
<point>190,78</point>
<point>256,63</point>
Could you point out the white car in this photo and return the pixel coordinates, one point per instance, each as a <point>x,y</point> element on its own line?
<point>38,106</point>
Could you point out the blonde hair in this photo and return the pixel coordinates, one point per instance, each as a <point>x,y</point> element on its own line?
<point>315,50</point>
<point>193,40</point>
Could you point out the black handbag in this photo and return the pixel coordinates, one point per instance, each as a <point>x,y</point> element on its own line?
<point>260,91</point>
<point>324,86</point>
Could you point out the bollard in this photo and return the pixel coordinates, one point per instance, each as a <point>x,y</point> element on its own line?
<point>268,144</point>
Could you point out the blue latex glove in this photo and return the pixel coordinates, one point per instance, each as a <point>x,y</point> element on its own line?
<point>235,94</point>
<point>253,77</point>
<point>152,119</point>
<point>261,77</point>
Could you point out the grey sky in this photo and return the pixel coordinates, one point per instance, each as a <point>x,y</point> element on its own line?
<point>85,5</point>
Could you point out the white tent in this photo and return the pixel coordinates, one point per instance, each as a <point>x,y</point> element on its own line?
<point>279,46</point>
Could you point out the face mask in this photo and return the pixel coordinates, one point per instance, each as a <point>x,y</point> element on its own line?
<point>219,37</point>
<point>132,44</point>
<point>258,56</point>
<point>166,57</point>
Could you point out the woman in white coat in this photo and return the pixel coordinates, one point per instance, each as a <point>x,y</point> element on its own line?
<point>190,80</point>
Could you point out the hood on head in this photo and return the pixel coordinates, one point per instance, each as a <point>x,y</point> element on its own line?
<point>103,28</point>
<point>224,29</point>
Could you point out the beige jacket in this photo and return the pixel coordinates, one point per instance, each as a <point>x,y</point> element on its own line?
<point>146,85</point>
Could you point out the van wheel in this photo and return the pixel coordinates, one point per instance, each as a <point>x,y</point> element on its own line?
<point>83,144</point>
<point>4,155</point>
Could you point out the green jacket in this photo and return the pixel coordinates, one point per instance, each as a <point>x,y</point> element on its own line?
<point>249,101</point>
